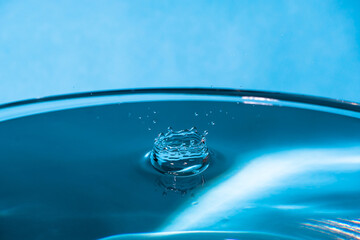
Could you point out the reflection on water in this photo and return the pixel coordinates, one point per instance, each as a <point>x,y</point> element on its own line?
<point>262,176</point>
<point>180,185</point>
<point>339,229</point>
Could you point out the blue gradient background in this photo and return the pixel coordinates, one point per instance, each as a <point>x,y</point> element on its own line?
<point>57,47</point>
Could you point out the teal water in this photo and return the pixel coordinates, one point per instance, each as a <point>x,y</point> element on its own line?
<point>276,172</point>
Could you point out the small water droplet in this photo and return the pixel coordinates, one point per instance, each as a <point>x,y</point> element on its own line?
<point>140,118</point>
<point>212,123</point>
<point>147,116</point>
<point>210,111</point>
<point>196,114</point>
<point>206,114</point>
<point>149,129</point>
<point>194,129</point>
<point>220,110</point>
<point>154,121</point>
<point>154,112</point>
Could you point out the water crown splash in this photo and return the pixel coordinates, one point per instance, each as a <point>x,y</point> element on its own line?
<point>180,153</point>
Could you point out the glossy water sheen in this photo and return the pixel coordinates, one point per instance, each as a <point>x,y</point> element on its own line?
<point>276,173</point>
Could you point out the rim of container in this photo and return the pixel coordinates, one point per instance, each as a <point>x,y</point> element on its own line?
<point>341,107</point>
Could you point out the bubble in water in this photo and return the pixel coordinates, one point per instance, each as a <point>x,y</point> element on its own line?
<point>180,153</point>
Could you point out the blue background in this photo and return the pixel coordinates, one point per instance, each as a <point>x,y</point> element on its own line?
<point>57,47</point>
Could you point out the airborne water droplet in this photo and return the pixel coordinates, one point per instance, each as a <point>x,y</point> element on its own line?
<point>212,123</point>
<point>154,121</point>
<point>180,153</point>
<point>196,114</point>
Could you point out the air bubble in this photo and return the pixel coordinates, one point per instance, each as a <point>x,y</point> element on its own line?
<point>180,153</point>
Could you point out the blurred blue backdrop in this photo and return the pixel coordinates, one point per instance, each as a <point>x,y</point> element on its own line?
<point>57,47</point>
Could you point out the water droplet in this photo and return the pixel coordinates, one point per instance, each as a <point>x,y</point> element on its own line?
<point>154,112</point>
<point>196,114</point>
<point>180,153</point>
<point>140,118</point>
<point>194,129</point>
<point>210,111</point>
<point>220,110</point>
<point>154,121</point>
<point>206,114</point>
<point>212,123</point>
<point>149,129</point>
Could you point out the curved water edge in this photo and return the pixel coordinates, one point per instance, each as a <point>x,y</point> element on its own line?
<point>202,235</point>
<point>34,106</point>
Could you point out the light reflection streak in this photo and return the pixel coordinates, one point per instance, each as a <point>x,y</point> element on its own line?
<point>254,181</point>
<point>258,103</point>
<point>259,100</point>
<point>336,228</point>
